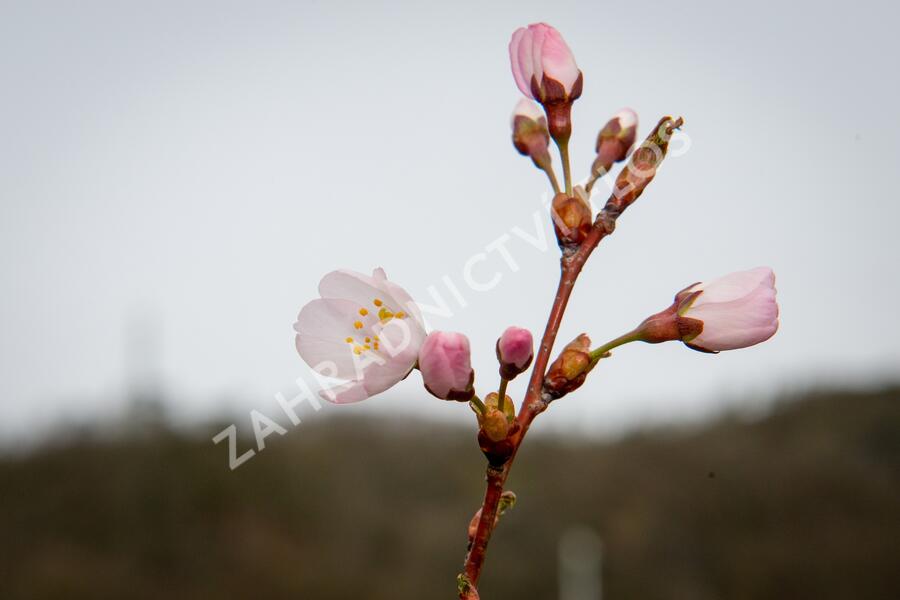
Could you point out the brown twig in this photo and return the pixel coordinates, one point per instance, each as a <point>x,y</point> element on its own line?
<point>630,184</point>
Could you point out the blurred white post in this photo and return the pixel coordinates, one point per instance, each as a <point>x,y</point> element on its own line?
<point>580,563</point>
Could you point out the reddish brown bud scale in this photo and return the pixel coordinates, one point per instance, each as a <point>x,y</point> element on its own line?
<point>558,105</point>
<point>570,369</point>
<point>509,408</point>
<point>494,424</point>
<point>641,169</point>
<point>498,452</point>
<point>572,219</point>
<point>531,138</point>
<point>614,141</point>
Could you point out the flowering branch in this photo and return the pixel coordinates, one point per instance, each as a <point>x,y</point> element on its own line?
<point>369,332</point>
<point>537,398</point>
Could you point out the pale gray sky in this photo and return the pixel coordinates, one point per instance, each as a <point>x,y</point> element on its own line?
<point>197,166</point>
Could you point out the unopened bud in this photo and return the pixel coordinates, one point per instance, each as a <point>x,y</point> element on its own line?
<point>570,369</point>
<point>545,69</point>
<point>641,169</point>
<point>446,366</point>
<point>731,312</point>
<point>572,219</point>
<point>615,140</point>
<point>515,349</point>
<point>529,133</point>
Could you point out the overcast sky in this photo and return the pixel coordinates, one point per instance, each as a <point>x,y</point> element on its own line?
<point>175,177</point>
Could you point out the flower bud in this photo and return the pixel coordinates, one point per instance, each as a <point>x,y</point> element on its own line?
<point>529,133</point>
<point>615,140</point>
<point>731,312</point>
<point>446,366</point>
<point>570,369</point>
<point>641,169</point>
<point>572,218</point>
<point>544,69</point>
<point>515,349</point>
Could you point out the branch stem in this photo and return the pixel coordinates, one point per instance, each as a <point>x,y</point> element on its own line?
<point>533,404</point>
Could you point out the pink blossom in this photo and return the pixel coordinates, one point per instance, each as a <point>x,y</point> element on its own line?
<point>364,330</point>
<point>538,53</point>
<point>515,349</point>
<point>446,365</point>
<point>737,310</point>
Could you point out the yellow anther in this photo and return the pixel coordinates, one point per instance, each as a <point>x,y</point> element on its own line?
<point>368,340</point>
<point>367,347</point>
<point>384,314</point>
<point>377,302</point>
<point>357,349</point>
<point>376,345</point>
<point>400,314</point>
<point>358,325</point>
<point>363,311</point>
<point>349,340</point>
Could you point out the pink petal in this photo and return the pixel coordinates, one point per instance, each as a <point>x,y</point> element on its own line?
<point>322,328</point>
<point>351,285</point>
<point>538,37</point>
<point>521,70</point>
<point>401,300</point>
<point>734,285</point>
<point>627,118</point>
<point>556,60</point>
<point>528,109</point>
<point>739,323</point>
<point>347,393</point>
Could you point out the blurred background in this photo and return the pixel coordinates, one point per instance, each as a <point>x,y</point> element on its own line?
<point>175,178</point>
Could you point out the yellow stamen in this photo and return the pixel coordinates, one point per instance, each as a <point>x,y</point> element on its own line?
<point>368,340</point>
<point>349,340</point>
<point>358,325</point>
<point>363,311</point>
<point>357,349</point>
<point>367,347</point>
<point>400,314</point>
<point>377,302</point>
<point>384,314</point>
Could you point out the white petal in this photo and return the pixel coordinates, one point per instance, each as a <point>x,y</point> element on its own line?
<point>322,328</point>
<point>733,286</point>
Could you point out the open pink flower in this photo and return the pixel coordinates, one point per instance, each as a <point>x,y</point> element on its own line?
<point>737,310</point>
<point>364,330</point>
<point>539,57</point>
<point>446,366</point>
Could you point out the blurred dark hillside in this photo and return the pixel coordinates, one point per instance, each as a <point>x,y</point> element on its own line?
<point>804,504</point>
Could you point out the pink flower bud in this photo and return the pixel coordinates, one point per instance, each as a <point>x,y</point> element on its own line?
<point>737,310</point>
<point>529,133</point>
<point>446,366</point>
<point>731,312</point>
<point>542,64</point>
<point>615,140</point>
<point>515,349</point>
<point>545,70</point>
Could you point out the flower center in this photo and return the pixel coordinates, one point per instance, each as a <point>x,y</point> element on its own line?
<point>366,343</point>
